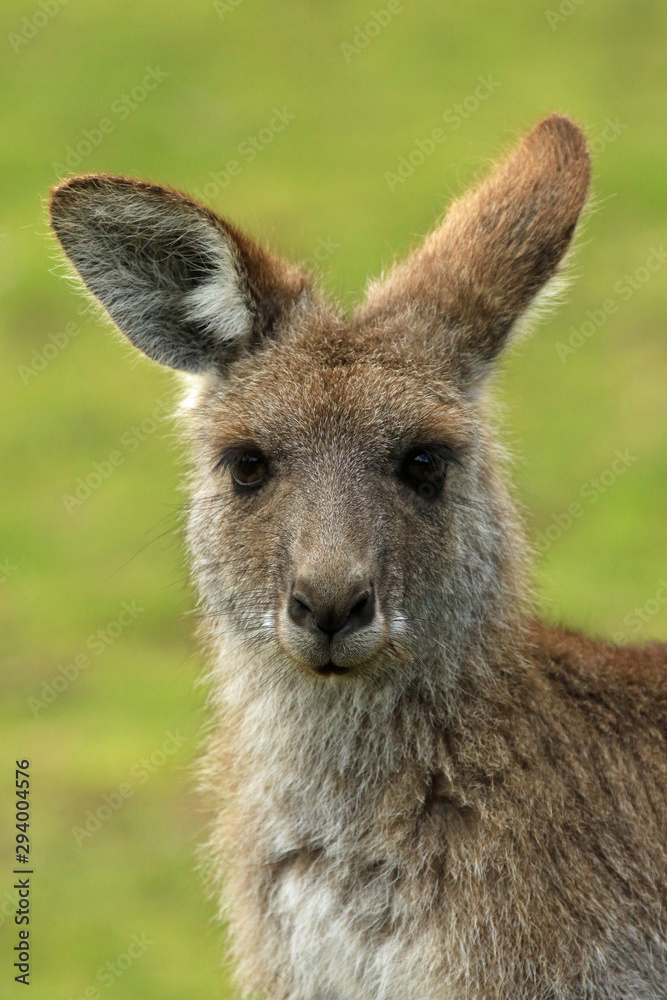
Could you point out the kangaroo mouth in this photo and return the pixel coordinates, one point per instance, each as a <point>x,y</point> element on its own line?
<point>331,669</point>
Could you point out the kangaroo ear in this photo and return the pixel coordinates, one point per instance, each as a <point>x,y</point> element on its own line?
<point>497,247</point>
<point>184,286</point>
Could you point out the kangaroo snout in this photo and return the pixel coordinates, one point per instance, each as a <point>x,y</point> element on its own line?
<point>317,608</point>
<point>331,621</point>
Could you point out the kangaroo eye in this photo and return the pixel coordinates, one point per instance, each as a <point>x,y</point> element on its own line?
<point>249,469</point>
<point>425,472</point>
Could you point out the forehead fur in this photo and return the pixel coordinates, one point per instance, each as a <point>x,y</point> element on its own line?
<point>327,380</point>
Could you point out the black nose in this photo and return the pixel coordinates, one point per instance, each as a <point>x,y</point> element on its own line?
<point>319,609</point>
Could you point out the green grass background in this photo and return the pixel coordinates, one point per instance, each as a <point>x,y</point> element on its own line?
<point>322,178</point>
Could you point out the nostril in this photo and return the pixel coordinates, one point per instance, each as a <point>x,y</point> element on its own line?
<point>301,600</point>
<point>362,611</point>
<point>300,609</point>
<point>322,612</point>
<point>361,603</point>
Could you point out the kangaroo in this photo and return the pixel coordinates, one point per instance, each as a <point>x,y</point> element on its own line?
<point>421,792</point>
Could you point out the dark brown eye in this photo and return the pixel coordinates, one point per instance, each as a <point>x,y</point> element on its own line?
<point>249,468</point>
<point>424,471</point>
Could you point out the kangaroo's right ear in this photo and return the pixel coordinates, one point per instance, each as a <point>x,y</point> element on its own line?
<point>183,285</point>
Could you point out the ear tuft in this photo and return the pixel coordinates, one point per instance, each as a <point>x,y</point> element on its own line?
<point>217,306</point>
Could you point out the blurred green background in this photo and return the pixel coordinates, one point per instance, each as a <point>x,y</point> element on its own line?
<point>101,698</point>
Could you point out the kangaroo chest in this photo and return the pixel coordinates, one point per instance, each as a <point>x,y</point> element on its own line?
<point>443,911</point>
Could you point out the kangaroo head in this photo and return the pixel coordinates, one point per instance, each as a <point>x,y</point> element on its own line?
<point>348,516</point>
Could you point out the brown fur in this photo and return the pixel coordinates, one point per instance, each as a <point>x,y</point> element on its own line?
<point>441,799</point>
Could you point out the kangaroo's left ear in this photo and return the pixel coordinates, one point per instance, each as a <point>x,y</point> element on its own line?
<point>474,276</point>
<point>183,285</point>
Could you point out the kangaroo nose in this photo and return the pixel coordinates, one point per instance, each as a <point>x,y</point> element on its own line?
<point>315,608</point>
